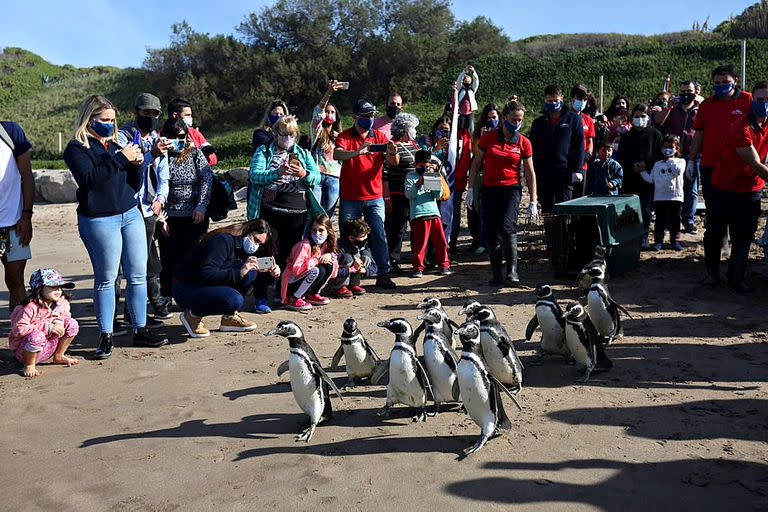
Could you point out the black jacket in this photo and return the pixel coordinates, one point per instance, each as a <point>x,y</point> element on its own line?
<point>638,146</point>
<point>557,148</point>
<point>218,262</point>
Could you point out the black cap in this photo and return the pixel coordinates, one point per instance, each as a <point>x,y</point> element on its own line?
<point>363,106</point>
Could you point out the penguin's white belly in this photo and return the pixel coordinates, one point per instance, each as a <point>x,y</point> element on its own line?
<point>403,382</point>
<point>552,333</point>
<point>359,362</point>
<point>474,394</point>
<point>599,314</point>
<point>441,376</point>
<point>305,389</point>
<point>575,347</point>
<point>500,367</point>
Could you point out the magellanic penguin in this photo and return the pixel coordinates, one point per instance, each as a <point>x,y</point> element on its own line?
<point>439,359</point>
<point>584,280</point>
<point>361,359</point>
<point>583,341</point>
<point>448,325</point>
<point>309,382</point>
<point>408,381</point>
<point>498,350</point>
<point>549,317</point>
<point>604,312</point>
<point>480,389</point>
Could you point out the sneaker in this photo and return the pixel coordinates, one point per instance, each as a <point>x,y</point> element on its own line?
<point>357,290</point>
<point>119,328</point>
<point>161,310</point>
<point>194,325</point>
<point>299,304</point>
<point>677,246</point>
<point>417,273</point>
<point>657,246</point>
<point>446,271</point>
<point>395,268</point>
<point>385,282</point>
<point>480,251</point>
<point>341,293</point>
<point>317,300</point>
<point>143,337</point>
<point>691,229</point>
<point>105,346</point>
<point>262,306</point>
<point>236,323</point>
<point>644,245</point>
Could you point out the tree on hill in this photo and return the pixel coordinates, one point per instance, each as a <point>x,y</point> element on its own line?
<point>752,23</point>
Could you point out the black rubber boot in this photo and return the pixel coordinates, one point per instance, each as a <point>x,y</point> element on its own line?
<point>510,254</point>
<point>105,346</point>
<point>496,257</point>
<point>146,338</point>
<point>737,267</point>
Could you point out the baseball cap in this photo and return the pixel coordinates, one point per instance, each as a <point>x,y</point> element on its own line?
<point>48,277</point>
<point>363,106</point>
<point>146,101</point>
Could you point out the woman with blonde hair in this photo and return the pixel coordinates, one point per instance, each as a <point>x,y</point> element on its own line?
<point>281,178</point>
<point>108,220</point>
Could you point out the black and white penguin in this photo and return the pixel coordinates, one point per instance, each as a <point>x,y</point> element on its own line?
<point>309,382</point>
<point>583,279</point>
<point>549,317</point>
<point>408,381</point>
<point>498,350</point>
<point>469,308</point>
<point>583,341</point>
<point>361,359</point>
<point>448,325</point>
<point>479,389</point>
<point>439,359</point>
<point>604,312</point>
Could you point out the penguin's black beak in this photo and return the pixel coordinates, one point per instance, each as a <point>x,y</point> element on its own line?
<point>383,324</point>
<point>273,332</point>
<point>420,317</point>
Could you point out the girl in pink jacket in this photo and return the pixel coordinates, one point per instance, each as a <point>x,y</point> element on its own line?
<point>309,267</point>
<point>42,326</point>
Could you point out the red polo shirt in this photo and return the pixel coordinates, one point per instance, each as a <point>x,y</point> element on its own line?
<point>715,117</point>
<point>502,159</point>
<point>360,178</point>
<point>589,133</point>
<point>731,173</point>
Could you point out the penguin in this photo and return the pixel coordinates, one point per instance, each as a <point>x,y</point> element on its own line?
<point>449,325</point>
<point>361,359</point>
<point>498,350</point>
<point>408,381</point>
<point>583,279</point>
<point>309,382</point>
<point>603,311</point>
<point>439,359</point>
<point>469,308</point>
<point>549,317</point>
<point>480,389</point>
<point>583,341</point>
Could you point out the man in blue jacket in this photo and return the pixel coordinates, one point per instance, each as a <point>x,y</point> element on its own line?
<point>557,138</point>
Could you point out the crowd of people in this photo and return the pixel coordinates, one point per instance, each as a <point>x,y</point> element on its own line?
<point>144,194</point>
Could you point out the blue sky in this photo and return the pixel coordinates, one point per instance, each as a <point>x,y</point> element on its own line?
<point>78,32</point>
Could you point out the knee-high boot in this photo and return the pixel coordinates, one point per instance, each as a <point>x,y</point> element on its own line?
<point>510,254</point>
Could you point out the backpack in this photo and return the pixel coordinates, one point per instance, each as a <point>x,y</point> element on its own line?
<point>222,199</point>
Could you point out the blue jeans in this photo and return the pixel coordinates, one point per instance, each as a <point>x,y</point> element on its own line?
<point>328,193</point>
<point>208,300</point>
<point>373,212</point>
<point>110,240</point>
<point>690,200</point>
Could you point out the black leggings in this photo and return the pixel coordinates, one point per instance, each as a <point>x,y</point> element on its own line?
<point>396,224</point>
<point>312,282</point>
<point>183,235</point>
<point>288,229</point>
<point>667,217</point>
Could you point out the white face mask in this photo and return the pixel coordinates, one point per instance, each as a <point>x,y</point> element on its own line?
<point>640,122</point>
<point>412,133</point>
<point>187,120</point>
<point>286,141</point>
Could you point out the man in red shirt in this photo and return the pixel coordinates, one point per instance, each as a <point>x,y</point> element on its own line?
<point>734,194</point>
<point>360,150</point>
<point>181,109</point>
<point>579,97</point>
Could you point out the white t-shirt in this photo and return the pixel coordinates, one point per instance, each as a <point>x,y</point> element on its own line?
<point>10,188</point>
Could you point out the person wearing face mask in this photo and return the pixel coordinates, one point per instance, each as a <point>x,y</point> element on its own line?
<point>601,128</point>
<point>216,275</point>
<point>733,202</point>
<point>181,109</point>
<point>503,154</point>
<point>399,161</point>
<point>489,120</point>
<point>281,179</point>
<point>579,98</point>
<point>679,121</point>
<point>361,187</point>
<point>263,135</point>
<point>189,193</point>
<point>394,107</point>
<point>110,225</point>
<point>639,150</point>
<point>557,139</point>
<point>326,126</point>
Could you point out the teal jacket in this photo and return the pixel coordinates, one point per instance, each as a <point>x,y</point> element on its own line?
<point>423,202</point>
<point>260,176</point>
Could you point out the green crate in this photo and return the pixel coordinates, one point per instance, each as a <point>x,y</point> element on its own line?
<point>581,224</point>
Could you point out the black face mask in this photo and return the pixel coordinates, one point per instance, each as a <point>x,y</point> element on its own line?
<point>147,124</point>
<point>360,244</point>
<point>687,97</point>
<point>392,111</point>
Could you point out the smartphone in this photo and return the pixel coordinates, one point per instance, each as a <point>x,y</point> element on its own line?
<point>136,138</point>
<point>177,144</point>
<point>377,148</point>
<point>265,263</point>
<point>344,85</point>
<point>293,157</point>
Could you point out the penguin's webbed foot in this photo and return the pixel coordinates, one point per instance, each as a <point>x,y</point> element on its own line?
<point>350,384</point>
<point>436,411</point>
<point>422,416</point>
<point>385,411</point>
<point>475,447</point>
<point>306,435</point>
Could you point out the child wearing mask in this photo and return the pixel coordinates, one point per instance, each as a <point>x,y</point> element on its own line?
<point>426,225</point>
<point>604,175</point>
<point>667,179</point>
<point>42,326</point>
<point>311,264</point>
<point>355,260</point>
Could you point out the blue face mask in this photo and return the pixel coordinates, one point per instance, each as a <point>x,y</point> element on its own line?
<point>723,89</point>
<point>578,105</point>
<point>552,107</point>
<point>760,108</point>
<point>103,129</point>
<point>249,246</point>
<point>492,124</point>
<point>318,238</point>
<point>668,151</point>
<point>273,118</point>
<point>439,134</point>
<point>365,123</point>
<point>512,128</point>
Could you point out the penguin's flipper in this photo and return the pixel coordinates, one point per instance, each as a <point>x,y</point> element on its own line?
<point>382,368</point>
<point>421,374</point>
<point>502,420</point>
<point>498,384</point>
<point>327,379</point>
<point>337,358</point>
<point>451,359</point>
<point>453,324</point>
<point>532,325</point>
<point>282,368</point>
<point>419,330</point>
<point>370,350</point>
<point>620,307</point>
<point>455,391</point>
